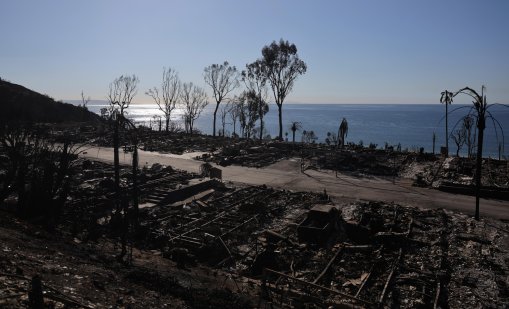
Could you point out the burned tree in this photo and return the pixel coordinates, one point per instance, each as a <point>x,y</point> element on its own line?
<point>193,100</point>
<point>459,138</point>
<point>468,125</point>
<point>446,98</point>
<point>223,112</point>
<point>235,111</point>
<point>248,106</point>
<point>166,98</point>
<point>342,132</point>
<point>294,127</point>
<point>255,79</point>
<point>121,93</point>
<point>120,96</point>
<point>37,170</point>
<point>480,112</point>
<point>223,79</point>
<point>434,140</point>
<point>84,101</point>
<point>282,66</point>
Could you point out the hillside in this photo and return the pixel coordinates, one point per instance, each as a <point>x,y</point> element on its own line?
<point>20,104</point>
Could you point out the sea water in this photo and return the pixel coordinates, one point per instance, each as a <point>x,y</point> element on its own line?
<point>410,125</point>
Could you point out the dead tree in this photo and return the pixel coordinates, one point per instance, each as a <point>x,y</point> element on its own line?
<point>294,127</point>
<point>166,98</point>
<point>129,217</point>
<point>446,98</point>
<point>459,138</point>
<point>33,160</point>
<point>121,93</point>
<point>235,110</point>
<point>223,79</point>
<point>342,132</point>
<point>223,112</point>
<point>434,140</point>
<point>468,125</point>
<point>255,79</point>
<point>480,112</point>
<point>193,100</point>
<point>84,101</point>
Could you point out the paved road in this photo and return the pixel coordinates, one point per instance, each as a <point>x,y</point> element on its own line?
<point>286,174</point>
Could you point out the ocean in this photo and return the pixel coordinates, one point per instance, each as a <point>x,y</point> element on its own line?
<point>411,125</point>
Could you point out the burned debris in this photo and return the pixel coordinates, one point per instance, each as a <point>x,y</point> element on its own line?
<point>266,247</point>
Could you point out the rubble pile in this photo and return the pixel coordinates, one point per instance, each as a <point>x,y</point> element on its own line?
<point>389,255</point>
<point>457,175</point>
<point>221,228</point>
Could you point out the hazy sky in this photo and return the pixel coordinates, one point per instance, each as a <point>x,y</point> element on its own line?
<point>356,51</point>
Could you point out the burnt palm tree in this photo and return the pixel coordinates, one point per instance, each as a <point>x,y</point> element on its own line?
<point>446,98</point>
<point>343,132</point>
<point>480,113</point>
<point>295,126</point>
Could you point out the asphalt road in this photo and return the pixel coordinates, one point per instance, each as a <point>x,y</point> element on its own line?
<point>342,188</point>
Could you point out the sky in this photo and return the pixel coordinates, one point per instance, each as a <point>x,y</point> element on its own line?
<point>358,51</point>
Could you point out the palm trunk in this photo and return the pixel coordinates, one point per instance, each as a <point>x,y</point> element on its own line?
<point>446,129</point>
<point>478,166</point>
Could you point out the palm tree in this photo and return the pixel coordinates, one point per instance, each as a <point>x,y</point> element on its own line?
<point>481,113</point>
<point>295,126</point>
<point>446,99</point>
<point>343,132</point>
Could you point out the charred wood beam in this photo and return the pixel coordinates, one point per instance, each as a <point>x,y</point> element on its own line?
<point>246,198</point>
<point>310,284</point>
<point>228,195</point>
<point>223,214</point>
<point>327,267</point>
<point>239,226</point>
<point>437,295</point>
<point>274,234</point>
<point>391,275</point>
<point>365,280</point>
<point>225,246</point>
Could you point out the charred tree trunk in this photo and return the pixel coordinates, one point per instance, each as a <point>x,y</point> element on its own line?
<point>480,125</point>
<point>135,185</point>
<point>116,162</point>
<point>446,129</point>
<point>35,297</point>
<point>214,123</point>
<point>260,114</point>
<point>280,115</point>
